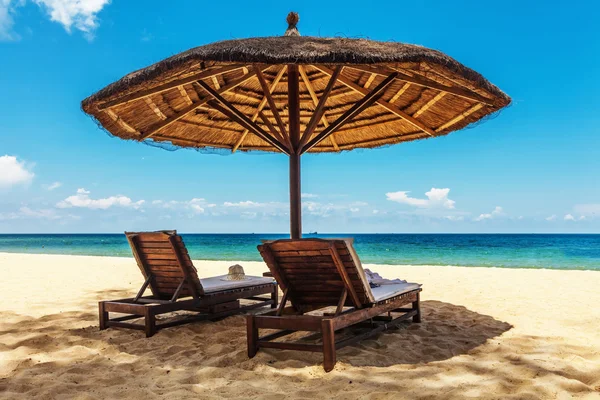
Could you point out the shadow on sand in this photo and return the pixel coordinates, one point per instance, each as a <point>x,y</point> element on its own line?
<point>65,353</point>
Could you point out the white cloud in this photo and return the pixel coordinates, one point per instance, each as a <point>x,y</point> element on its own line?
<point>81,14</point>
<point>196,205</point>
<point>551,218</point>
<point>245,204</point>
<point>53,185</point>
<point>436,198</point>
<point>309,196</point>
<point>570,217</point>
<point>82,199</point>
<point>6,21</point>
<point>495,213</point>
<point>13,171</point>
<point>454,217</point>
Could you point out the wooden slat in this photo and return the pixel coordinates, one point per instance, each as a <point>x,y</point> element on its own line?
<point>308,253</point>
<point>390,107</point>
<point>159,263</point>
<point>312,260</point>
<point>303,245</point>
<point>460,117</point>
<point>369,98</point>
<point>120,121</point>
<point>185,95</point>
<point>216,82</point>
<point>427,105</point>
<point>151,256</point>
<point>370,80</point>
<point>425,82</point>
<point>262,104</point>
<point>167,86</point>
<point>400,92</point>
<point>154,108</point>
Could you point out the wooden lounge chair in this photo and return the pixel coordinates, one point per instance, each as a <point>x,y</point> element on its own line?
<point>318,273</point>
<point>169,273</point>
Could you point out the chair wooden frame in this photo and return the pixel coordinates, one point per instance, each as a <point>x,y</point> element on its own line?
<point>170,275</point>
<point>291,261</point>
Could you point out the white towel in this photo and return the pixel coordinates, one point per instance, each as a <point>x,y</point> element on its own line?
<point>376,279</point>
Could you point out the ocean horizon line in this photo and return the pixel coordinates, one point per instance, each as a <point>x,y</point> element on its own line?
<point>510,250</point>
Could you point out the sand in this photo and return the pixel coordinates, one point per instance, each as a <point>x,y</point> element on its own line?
<point>486,333</point>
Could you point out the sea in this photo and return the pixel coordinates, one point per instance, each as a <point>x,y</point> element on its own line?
<point>549,251</point>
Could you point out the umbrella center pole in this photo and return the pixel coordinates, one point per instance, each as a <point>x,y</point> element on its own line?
<point>294,132</point>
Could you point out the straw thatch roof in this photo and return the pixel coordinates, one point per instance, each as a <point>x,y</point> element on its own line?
<point>429,95</point>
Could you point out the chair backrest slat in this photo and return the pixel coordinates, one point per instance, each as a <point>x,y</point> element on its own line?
<point>164,255</point>
<point>308,268</point>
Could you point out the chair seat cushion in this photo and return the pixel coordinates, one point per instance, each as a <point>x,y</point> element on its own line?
<point>219,283</point>
<point>387,291</point>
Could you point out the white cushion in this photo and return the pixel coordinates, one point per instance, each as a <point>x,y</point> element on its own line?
<point>386,291</point>
<point>219,283</point>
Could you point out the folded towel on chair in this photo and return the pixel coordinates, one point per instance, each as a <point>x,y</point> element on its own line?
<point>376,280</point>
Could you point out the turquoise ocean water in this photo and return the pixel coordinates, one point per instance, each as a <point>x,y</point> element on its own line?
<point>480,250</point>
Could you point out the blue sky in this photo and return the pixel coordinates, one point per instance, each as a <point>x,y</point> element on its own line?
<point>534,168</point>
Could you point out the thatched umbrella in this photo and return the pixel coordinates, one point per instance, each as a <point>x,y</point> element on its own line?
<point>295,94</point>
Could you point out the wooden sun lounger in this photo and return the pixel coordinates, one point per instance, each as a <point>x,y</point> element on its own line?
<point>315,274</point>
<point>169,273</point>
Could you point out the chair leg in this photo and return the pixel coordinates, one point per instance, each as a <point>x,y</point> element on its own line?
<point>416,305</point>
<point>252,334</point>
<point>149,321</point>
<point>275,296</point>
<point>328,336</point>
<point>103,316</point>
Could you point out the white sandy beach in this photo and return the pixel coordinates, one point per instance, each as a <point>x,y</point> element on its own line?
<point>486,333</point>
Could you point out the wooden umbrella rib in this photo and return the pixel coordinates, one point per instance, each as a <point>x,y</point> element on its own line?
<point>271,127</point>
<point>225,107</point>
<point>391,108</point>
<point>177,116</point>
<point>167,86</point>
<point>272,106</point>
<point>315,99</point>
<point>369,98</point>
<point>422,81</point>
<point>320,109</point>
<point>262,104</point>
<point>460,117</point>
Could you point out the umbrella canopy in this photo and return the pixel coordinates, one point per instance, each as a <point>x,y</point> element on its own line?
<point>295,94</point>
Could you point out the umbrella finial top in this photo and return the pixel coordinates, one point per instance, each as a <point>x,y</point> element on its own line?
<point>292,20</point>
